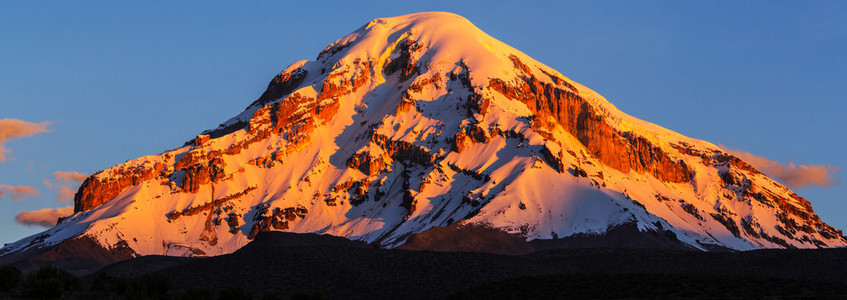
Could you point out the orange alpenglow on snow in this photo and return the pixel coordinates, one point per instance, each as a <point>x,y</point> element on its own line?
<point>424,120</point>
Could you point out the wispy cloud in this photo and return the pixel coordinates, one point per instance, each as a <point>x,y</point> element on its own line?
<point>71,176</point>
<point>66,193</point>
<point>11,128</point>
<point>794,176</point>
<point>46,217</point>
<point>66,184</point>
<point>16,192</point>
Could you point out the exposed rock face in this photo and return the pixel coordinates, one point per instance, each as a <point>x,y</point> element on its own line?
<point>736,175</point>
<point>283,84</point>
<point>96,190</point>
<point>424,121</point>
<point>278,219</point>
<point>620,150</point>
<point>209,206</point>
<point>406,62</point>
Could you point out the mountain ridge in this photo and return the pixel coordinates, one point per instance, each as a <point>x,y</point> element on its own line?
<point>424,120</point>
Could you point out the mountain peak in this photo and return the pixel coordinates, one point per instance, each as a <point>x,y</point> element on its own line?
<point>445,40</point>
<point>424,19</point>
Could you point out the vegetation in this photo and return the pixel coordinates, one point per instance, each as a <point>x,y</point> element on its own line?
<point>300,295</point>
<point>50,283</point>
<point>329,271</point>
<point>235,293</point>
<point>651,286</point>
<point>154,285</point>
<point>53,283</point>
<point>10,278</point>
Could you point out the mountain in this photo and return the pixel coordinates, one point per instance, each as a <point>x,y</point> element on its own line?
<point>424,121</point>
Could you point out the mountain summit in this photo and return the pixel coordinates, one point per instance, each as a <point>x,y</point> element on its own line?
<point>424,120</point>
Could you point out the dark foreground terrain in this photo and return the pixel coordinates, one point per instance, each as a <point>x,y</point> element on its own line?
<point>283,266</point>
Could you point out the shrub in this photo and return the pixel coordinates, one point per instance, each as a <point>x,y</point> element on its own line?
<point>10,278</point>
<point>50,283</point>
<point>301,295</point>
<point>235,293</point>
<point>196,293</point>
<point>154,284</point>
<point>110,285</point>
<point>270,296</point>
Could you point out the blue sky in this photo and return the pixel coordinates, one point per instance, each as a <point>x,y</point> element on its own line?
<point>119,80</point>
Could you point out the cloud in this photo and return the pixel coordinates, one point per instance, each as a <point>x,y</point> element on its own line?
<point>3,152</point>
<point>11,128</point>
<point>67,183</point>
<point>71,176</point>
<point>46,217</point>
<point>16,192</point>
<point>794,176</point>
<point>66,193</point>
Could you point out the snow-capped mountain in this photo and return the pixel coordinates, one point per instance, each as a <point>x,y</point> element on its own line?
<point>424,120</point>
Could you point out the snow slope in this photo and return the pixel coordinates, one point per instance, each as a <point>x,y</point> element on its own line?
<point>424,120</point>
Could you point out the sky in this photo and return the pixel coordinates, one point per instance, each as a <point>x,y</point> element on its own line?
<point>86,85</point>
